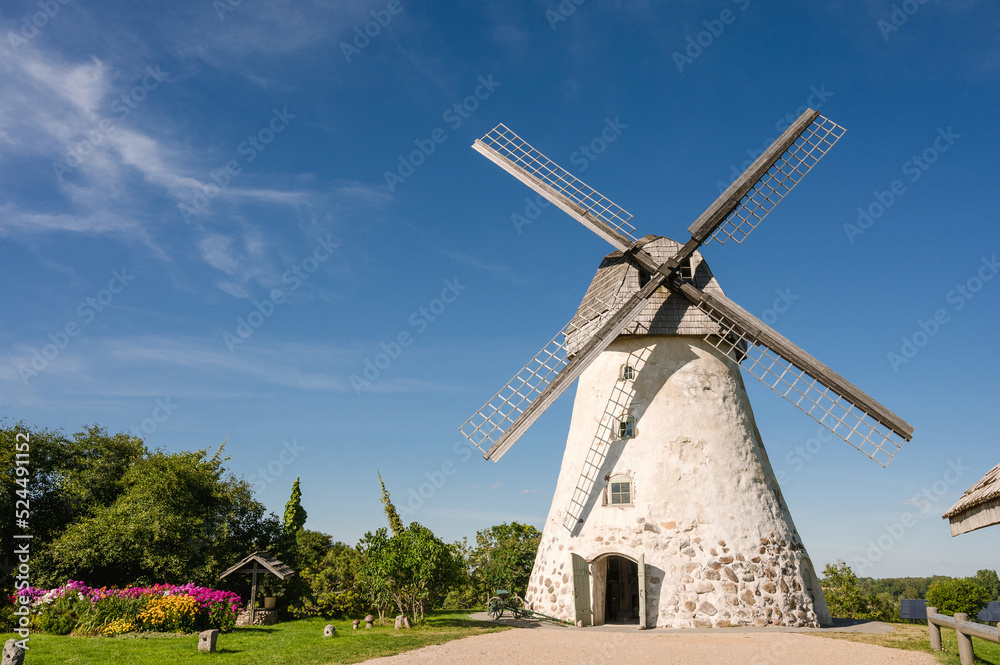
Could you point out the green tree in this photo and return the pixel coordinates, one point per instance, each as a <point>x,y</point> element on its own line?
<point>504,556</point>
<point>414,568</point>
<point>395,521</point>
<point>295,514</point>
<point>70,478</point>
<point>847,599</point>
<point>953,596</point>
<point>178,518</point>
<point>467,591</point>
<point>990,582</point>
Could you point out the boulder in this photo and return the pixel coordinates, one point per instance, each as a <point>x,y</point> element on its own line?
<point>13,654</point>
<point>207,640</point>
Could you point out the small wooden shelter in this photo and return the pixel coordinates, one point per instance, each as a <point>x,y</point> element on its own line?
<point>259,563</point>
<point>979,507</point>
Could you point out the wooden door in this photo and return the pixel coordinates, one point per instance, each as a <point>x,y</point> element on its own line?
<point>642,591</point>
<point>581,590</point>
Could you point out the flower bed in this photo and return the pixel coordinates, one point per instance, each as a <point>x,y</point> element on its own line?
<point>80,609</point>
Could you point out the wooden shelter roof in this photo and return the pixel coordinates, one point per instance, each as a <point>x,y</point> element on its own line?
<point>265,561</point>
<point>979,507</point>
<point>618,278</point>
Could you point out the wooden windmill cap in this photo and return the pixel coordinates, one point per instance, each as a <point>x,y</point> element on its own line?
<point>619,277</point>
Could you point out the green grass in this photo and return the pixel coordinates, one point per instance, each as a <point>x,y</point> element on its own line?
<point>914,637</point>
<point>291,643</point>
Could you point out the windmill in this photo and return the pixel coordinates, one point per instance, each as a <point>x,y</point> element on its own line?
<point>667,512</point>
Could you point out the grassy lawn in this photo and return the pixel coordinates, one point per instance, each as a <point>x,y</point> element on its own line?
<point>291,643</point>
<point>914,637</point>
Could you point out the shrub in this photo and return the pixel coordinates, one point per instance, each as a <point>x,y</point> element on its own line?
<point>170,614</point>
<point>7,619</point>
<point>953,596</point>
<point>119,626</point>
<point>61,612</point>
<point>222,616</point>
<point>78,608</point>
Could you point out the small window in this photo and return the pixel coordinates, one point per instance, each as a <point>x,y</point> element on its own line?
<point>626,427</point>
<point>620,491</point>
<point>628,372</point>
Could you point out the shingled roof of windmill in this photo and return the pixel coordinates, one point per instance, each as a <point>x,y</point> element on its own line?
<point>979,507</point>
<point>618,278</point>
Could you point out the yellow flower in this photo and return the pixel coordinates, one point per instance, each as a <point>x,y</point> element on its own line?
<point>170,614</point>
<point>118,626</point>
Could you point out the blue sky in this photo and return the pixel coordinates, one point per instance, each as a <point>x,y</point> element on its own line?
<point>199,239</point>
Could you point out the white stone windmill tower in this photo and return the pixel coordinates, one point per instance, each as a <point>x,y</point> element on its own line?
<point>667,512</point>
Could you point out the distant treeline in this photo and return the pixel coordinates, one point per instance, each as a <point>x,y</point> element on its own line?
<point>900,587</point>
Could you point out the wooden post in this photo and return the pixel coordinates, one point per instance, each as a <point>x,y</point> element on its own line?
<point>964,641</point>
<point>253,595</point>
<point>934,630</point>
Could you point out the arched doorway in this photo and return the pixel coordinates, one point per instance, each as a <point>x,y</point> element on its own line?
<point>620,600</point>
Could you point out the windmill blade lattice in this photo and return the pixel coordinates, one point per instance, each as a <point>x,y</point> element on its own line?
<point>572,195</point>
<point>495,418</point>
<point>778,180</point>
<point>878,435</point>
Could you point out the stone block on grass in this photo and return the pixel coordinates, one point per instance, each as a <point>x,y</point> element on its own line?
<point>207,640</point>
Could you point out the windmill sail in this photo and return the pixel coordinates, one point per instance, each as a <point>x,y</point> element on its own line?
<point>749,199</point>
<point>570,194</point>
<point>817,390</point>
<point>503,419</point>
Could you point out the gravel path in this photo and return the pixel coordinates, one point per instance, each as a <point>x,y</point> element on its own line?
<point>580,647</point>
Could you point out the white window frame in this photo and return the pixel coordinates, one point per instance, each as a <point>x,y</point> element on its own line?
<point>618,479</point>
<point>627,372</point>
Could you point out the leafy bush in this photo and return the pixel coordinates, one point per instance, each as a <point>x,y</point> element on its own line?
<point>78,608</point>
<point>847,600</point>
<point>60,613</point>
<point>170,614</point>
<point>7,619</point>
<point>953,596</point>
<point>221,616</point>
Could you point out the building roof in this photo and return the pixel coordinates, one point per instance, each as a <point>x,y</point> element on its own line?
<point>618,278</point>
<point>979,507</point>
<point>265,561</point>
